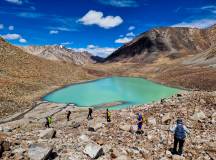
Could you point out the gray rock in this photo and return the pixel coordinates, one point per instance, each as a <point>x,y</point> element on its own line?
<point>133,128</point>
<point>75,125</point>
<point>166,118</point>
<point>125,127</point>
<point>93,150</point>
<point>151,121</point>
<point>20,151</point>
<point>39,152</point>
<point>198,116</point>
<point>6,129</point>
<point>84,138</point>
<point>213,118</point>
<point>47,133</point>
<point>94,126</point>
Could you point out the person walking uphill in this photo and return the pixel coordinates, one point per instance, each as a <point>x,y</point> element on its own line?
<point>139,123</point>
<point>179,131</point>
<point>48,121</point>
<point>108,115</point>
<point>68,115</point>
<point>90,114</point>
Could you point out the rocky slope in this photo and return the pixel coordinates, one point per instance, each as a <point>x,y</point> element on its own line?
<point>82,139</point>
<point>206,58</point>
<point>25,77</point>
<point>170,42</point>
<point>60,53</point>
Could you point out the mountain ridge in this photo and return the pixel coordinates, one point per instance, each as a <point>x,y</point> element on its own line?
<point>60,53</point>
<point>173,42</point>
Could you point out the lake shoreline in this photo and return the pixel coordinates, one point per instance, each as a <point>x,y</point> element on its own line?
<point>103,104</point>
<point>101,78</point>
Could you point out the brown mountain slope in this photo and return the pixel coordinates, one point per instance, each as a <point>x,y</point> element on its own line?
<point>24,77</point>
<point>207,58</point>
<point>60,53</point>
<point>171,42</point>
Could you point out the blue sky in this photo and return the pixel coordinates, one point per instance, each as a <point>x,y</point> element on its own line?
<point>98,26</point>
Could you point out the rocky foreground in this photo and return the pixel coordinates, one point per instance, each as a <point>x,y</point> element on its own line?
<point>27,138</point>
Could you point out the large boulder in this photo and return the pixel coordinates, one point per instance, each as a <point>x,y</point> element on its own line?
<point>213,118</point>
<point>94,126</point>
<point>198,116</point>
<point>133,128</point>
<point>93,150</point>
<point>84,138</point>
<point>19,151</point>
<point>125,127</point>
<point>47,133</point>
<point>5,129</point>
<point>166,119</point>
<point>75,124</point>
<point>39,152</point>
<point>151,121</point>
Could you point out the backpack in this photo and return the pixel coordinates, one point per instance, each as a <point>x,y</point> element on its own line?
<point>140,118</point>
<point>109,114</point>
<point>180,132</point>
<point>49,120</point>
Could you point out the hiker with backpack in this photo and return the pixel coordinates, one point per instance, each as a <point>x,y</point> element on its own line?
<point>90,114</point>
<point>108,115</point>
<point>140,119</point>
<point>48,121</point>
<point>68,115</point>
<point>180,131</point>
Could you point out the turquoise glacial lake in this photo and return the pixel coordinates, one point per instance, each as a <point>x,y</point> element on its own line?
<point>131,91</point>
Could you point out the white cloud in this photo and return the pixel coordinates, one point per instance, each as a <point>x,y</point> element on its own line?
<point>53,32</point>
<point>61,29</point>
<point>120,3</point>
<point>210,8</point>
<point>97,18</point>
<point>22,40</point>
<point>131,28</point>
<point>30,15</point>
<point>202,23</point>
<point>96,50</point>
<point>14,37</point>
<point>66,43</point>
<point>130,34</point>
<point>11,36</point>
<point>11,28</point>
<point>1,26</point>
<point>123,40</point>
<point>15,1</point>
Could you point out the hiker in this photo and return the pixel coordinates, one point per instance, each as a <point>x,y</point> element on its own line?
<point>68,115</point>
<point>90,114</point>
<point>48,121</point>
<point>179,131</point>
<point>108,115</point>
<point>139,123</point>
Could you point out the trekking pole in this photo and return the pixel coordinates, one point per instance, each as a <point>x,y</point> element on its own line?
<point>190,139</point>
